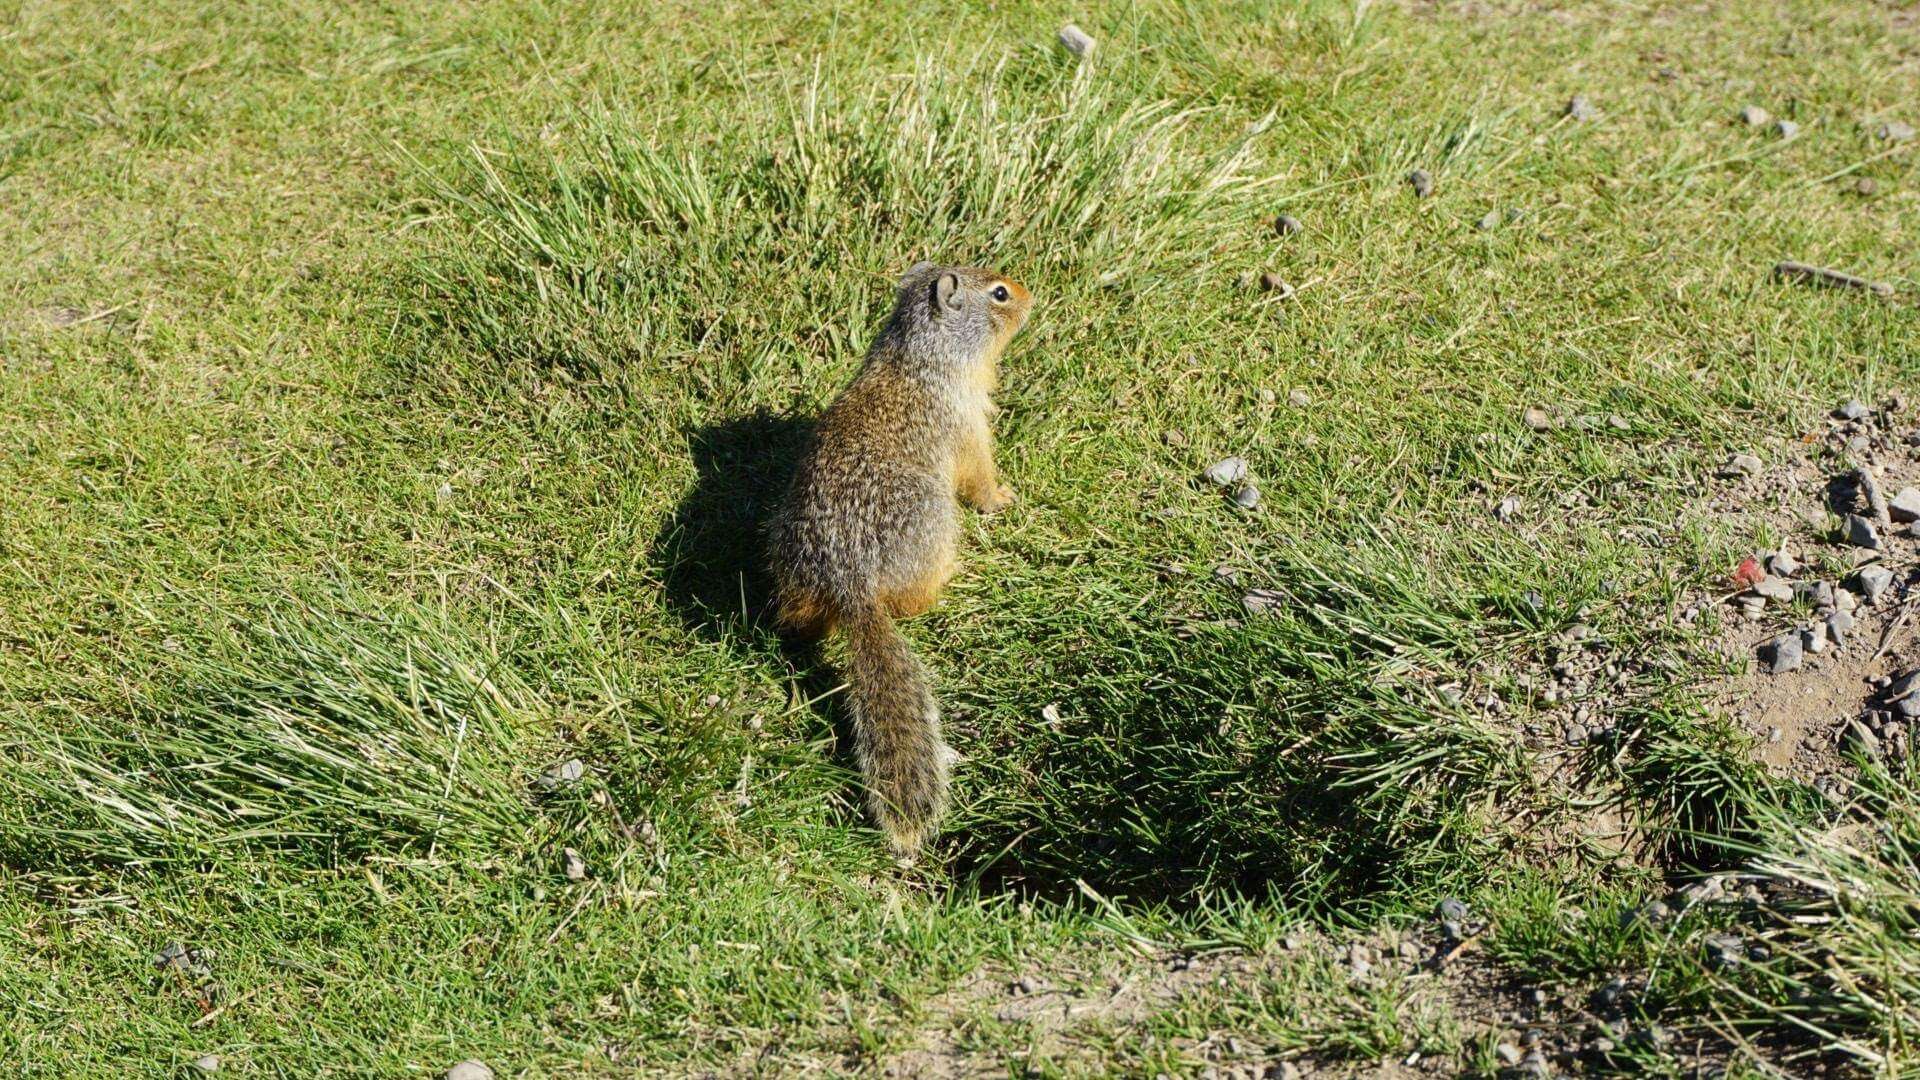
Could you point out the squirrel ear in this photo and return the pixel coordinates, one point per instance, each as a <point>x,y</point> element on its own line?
<point>915,271</point>
<point>946,292</point>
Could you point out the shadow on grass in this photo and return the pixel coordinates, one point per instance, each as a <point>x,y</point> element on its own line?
<point>712,552</point>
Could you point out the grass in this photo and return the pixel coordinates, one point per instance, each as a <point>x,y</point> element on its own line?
<point>390,398</point>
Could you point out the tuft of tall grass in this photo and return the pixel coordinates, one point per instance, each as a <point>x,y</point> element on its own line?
<point>1845,970</point>
<point>612,249</point>
<point>318,735</point>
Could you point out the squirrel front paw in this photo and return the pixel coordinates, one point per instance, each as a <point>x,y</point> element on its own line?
<point>997,500</point>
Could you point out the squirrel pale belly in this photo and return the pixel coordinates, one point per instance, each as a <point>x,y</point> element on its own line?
<point>868,531</point>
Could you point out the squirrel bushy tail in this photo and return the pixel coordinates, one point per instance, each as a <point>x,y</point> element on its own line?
<point>896,730</point>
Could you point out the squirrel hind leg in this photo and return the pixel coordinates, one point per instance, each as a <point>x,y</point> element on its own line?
<point>917,597</point>
<point>804,616</point>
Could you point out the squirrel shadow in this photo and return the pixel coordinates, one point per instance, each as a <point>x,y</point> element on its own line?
<point>711,553</point>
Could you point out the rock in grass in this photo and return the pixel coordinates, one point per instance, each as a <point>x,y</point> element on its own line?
<point>1275,284</point>
<point>1906,505</point>
<point>1861,534</point>
<point>1453,909</point>
<point>1873,582</point>
<point>1816,594</point>
<point>1298,399</point>
<point>1488,221</point>
<point>1508,1054</point>
<point>1226,471</point>
<point>1786,129</point>
<point>575,866</point>
<point>470,1070</point>
<point>1508,507</point>
<point>1739,465</point>
<point>1782,564</point>
<point>1537,419</point>
<point>1422,182</point>
<point>565,774</point>
<point>1755,116</point>
<point>1895,131</point>
<point>207,1063</point>
<point>1579,108</point>
<point>1076,41</point>
<point>1247,497</point>
<point>1780,655</point>
<point>1287,225</point>
<point>1775,589</point>
<point>1852,410</point>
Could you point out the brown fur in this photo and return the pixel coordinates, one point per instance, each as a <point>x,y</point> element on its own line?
<point>868,532</point>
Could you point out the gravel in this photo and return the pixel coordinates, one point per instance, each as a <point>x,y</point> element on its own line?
<point>1906,505</point>
<point>1873,581</point>
<point>1581,109</point>
<point>1298,399</point>
<point>1839,625</point>
<point>1781,654</point>
<point>1739,465</point>
<point>1247,497</point>
<point>1488,222</point>
<point>1782,564</point>
<point>470,1070</point>
<point>1861,533</point>
<point>1422,182</point>
<point>207,1063</point>
<point>1537,419</point>
<point>1786,129</point>
<point>575,866</point>
<point>1778,590</point>
<point>1755,116</point>
<point>1852,410</point>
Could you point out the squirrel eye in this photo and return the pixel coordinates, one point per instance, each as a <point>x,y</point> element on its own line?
<point>1000,293</point>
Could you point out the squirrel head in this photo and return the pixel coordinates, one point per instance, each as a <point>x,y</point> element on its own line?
<point>958,314</point>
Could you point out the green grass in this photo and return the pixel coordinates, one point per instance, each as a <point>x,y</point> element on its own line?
<point>388,399</point>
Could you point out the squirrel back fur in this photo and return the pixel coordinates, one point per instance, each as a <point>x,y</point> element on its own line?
<point>868,531</point>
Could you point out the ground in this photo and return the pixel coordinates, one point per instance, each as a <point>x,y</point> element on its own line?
<point>390,397</point>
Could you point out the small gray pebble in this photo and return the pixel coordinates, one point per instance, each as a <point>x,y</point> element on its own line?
<point>207,1063</point>
<point>1861,533</point>
<point>1781,654</point>
<point>1581,109</point>
<point>1839,625</point>
<point>1786,129</point>
<point>1453,909</point>
<point>1866,185</point>
<point>1537,419</point>
<point>1852,410</point>
<point>1895,131</point>
<point>1507,508</point>
<point>1861,740</point>
<point>1774,735</point>
<point>575,866</point>
<point>1508,1054</point>
<point>1739,465</point>
<point>565,774</point>
<point>1076,40</point>
<point>1782,564</point>
<point>1814,639</point>
<point>1287,225</point>
<point>1874,581</point>
<point>469,1070</point>
<point>1247,497</point>
<point>1422,182</point>
<point>1906,505</point>
<point>1024,985</point>
<point>1755,116</point>
<point>1298,399</point>
<point>1488,222</point>
<point>1274,283</point>
<point>1779,590</point>
<point>1227,471</point>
